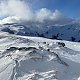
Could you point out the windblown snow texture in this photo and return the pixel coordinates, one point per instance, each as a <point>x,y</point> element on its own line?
<point>36,58</point>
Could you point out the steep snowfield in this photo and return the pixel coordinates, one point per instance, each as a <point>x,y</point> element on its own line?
<point>36,58</point>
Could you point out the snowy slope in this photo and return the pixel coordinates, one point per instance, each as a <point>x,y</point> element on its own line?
<point>36,58</point>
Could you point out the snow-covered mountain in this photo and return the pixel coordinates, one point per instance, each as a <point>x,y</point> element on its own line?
<point>38,42</point>
<point>48,29</point>
<point>36,58</point>
<point>29,49</point>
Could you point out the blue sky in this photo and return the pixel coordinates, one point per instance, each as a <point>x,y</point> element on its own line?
<point>70,8</point>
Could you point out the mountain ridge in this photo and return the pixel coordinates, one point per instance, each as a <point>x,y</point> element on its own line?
<point>69,31</point>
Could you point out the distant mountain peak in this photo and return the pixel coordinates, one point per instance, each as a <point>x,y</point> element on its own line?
<point>11,19</point>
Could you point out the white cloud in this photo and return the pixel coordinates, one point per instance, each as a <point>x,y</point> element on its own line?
<point>45,14</point>
<point>50,17</point>
<point>15,8</point>
<point>18,9</point>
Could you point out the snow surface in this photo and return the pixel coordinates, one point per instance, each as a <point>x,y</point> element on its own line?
<point>37,58</point>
